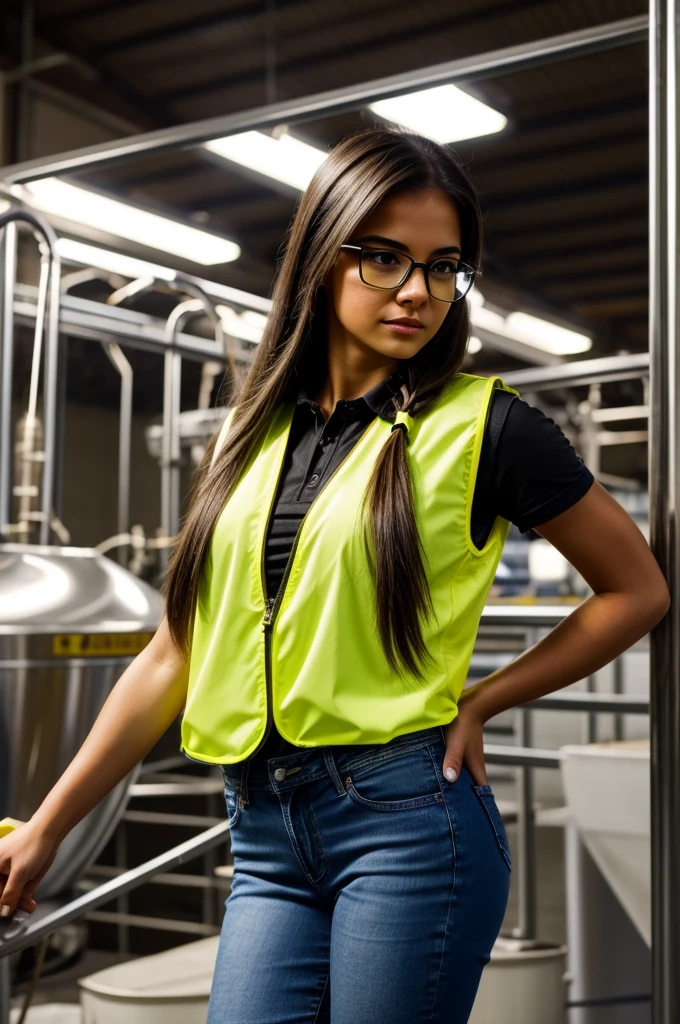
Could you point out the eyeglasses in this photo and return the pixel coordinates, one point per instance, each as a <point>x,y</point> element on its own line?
<point>447,279</point>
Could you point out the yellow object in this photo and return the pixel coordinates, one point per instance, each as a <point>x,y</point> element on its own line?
<point>112,645</point>
<point>314,660</point>
<point>8,825</point>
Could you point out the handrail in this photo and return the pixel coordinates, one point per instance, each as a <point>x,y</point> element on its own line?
<point>528,757</point>
<point>595,703</point>
<point>493,754</point>
<point>22,934</point>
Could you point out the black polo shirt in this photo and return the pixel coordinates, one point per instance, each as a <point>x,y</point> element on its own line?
<point>528,474</point>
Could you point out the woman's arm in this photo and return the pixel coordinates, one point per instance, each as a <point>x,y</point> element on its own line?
<point>630,597</point>
<point>142,705</point>
<point>144,702</point>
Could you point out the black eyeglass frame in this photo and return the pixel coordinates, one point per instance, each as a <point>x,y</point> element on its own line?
<point>473,271</point>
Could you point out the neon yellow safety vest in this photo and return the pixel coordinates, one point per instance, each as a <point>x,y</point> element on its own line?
<point>312,662</point>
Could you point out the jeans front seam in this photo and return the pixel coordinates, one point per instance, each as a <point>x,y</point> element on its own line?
<point>453,884</point>
<point>318,1009</point>
<point>288,821</point>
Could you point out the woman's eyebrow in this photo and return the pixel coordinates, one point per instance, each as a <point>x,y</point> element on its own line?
<point>400,245</point>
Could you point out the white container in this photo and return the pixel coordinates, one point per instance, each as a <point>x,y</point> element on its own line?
<point>608,792</point>
<point>522,986</point>
<point>48,1013</point>
<point>172,987</point>
<point>518,987</point>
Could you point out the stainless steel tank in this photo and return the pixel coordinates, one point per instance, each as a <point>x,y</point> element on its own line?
<point>71,620</point>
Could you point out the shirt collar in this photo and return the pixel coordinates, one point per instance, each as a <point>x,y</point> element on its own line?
<point>377,401</point>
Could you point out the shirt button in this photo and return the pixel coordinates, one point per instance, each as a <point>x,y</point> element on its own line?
<point>280,774</point>
<point>314,479</point>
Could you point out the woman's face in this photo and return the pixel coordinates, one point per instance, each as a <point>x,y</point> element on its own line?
<point>423,225</point>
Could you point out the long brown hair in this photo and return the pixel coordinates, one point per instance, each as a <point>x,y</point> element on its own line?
<point>359,172</point>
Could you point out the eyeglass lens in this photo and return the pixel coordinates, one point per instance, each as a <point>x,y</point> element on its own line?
<point>384,268</point>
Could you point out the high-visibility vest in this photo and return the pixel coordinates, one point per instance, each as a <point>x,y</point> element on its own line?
<point>311,660</point>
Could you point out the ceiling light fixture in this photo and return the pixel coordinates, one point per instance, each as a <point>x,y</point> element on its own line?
<point>248,325</point>
<point>74,251</point>
<point>531,331</point>
<point>561,341</point>
<point>114,262</point>
<point>444,113</point>
<point>284,158</point>
<point>124,221</point>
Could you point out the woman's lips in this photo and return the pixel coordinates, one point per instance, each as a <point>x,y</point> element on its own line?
<point>402,328</point>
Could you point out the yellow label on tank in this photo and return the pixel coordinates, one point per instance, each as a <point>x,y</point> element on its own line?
<point>112,645</point>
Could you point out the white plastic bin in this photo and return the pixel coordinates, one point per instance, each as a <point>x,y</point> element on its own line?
<point>166,988</point>
<point>522,986</point>
<point>48,1013</point>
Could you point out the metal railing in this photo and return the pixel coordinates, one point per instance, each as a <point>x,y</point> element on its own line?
<point>25,929</point>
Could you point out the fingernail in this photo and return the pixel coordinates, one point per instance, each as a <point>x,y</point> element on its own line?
<point>450,774</point>
<point>6,910</point>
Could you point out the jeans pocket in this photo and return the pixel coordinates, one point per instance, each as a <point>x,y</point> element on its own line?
<point>488,802</point>
<point>232,799</point>
<point>396,783</point>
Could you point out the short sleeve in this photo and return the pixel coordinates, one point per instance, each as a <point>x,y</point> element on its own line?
<point>533,472</point>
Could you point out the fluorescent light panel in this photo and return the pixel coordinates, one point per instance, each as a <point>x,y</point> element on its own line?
<point>555,339</point>
<point>114,262</point>
<point>84,207</point>
<point>530,330</point>
<point>444,113</point>
<point>285,159</point>
<point>248,325</point>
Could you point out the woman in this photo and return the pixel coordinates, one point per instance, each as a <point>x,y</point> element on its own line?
<point>320,622</point>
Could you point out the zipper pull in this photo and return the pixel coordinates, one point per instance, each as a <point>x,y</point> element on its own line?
<point>268,613</point>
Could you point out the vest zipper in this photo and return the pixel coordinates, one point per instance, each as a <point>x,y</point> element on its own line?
<point>272,604</point>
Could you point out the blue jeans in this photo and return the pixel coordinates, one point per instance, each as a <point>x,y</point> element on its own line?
<point>367,889</point>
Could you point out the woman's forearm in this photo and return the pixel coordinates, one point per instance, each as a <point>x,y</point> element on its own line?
<point>592,636</point>
<point>142,705</point>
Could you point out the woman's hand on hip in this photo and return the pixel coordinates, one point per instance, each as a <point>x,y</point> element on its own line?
<point>465,745</point>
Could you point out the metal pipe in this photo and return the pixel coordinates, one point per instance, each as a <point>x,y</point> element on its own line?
<point>200,303</point>
<point>84,318</point>
<point>527,925</point>
<point>617,668</point>
<point>170,450</point>
<point>8,257</point>
<point>594,703</point>
<point>664,503</point>
<point>50,388</point>
<point>28,453</point>
<point>581,372</point>
<point>25,931</point>
<point>522,57</point>
<point>172,381</point>
<point>122,365</point>
<point>5,990</point>
<point>43,229</point>
<point>592,728</point>
<point>500,754</point>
